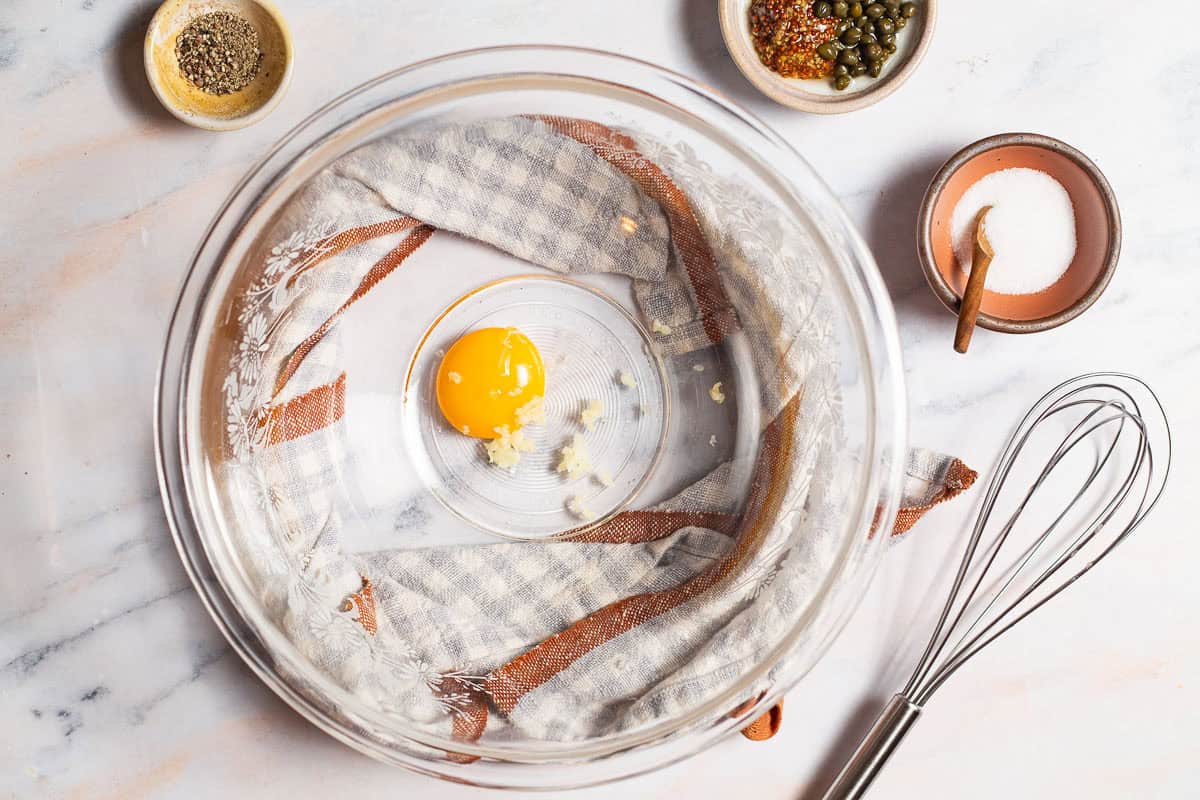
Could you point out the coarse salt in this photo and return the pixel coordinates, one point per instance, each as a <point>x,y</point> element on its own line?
<point>1031,229</point>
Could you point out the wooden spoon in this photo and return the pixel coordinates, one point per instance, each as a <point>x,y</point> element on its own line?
<point>968,309</point>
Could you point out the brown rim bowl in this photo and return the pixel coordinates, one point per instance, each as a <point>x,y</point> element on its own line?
<point>1097,231</point>
<point>817,96</point>
<point>210,111</point>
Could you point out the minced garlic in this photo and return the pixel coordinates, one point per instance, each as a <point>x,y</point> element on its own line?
<point>604,478</point>
<point>716,394</point>
<point>505,450</point>
<point>454,377</point>
<point>576,506</point>
<point>573,459</point>
<point>626,380</point>
<point>658,326</point>
<point>532,413</point>
<point>591,412</point>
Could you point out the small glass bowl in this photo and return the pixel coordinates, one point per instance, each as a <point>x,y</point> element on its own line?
<point>190,426</point>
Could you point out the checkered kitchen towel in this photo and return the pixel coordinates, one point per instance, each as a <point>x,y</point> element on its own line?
<point>635,620</point>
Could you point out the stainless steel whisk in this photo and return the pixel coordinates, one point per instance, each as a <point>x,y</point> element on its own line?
<point>1001,582</point>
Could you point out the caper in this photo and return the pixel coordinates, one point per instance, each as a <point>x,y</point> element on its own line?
<point>865,35</point>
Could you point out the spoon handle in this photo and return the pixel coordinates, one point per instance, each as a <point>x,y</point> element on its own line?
<point>968,309</point>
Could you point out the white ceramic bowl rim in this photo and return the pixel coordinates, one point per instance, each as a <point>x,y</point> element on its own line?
<point>210,122</point>
<point>791,92</point>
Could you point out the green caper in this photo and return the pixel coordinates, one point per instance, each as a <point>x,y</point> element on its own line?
<point>865,33</point>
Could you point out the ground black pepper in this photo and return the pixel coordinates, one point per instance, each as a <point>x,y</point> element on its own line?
<point>219,52</point>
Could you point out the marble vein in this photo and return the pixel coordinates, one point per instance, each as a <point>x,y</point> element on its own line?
<point>114,683</point>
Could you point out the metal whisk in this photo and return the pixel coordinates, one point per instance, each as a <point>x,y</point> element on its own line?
<point>1113,424</point>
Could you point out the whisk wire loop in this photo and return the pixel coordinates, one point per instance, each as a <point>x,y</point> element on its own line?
<point>1123,484</point>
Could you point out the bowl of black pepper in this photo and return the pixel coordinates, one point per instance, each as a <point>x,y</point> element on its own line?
<point>218,64</point>
<point>827,56</point>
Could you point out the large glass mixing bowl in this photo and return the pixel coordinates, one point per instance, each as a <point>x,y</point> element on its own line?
<point>584,317</point>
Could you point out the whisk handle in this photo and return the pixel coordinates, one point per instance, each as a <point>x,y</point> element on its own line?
<point>875,749</point>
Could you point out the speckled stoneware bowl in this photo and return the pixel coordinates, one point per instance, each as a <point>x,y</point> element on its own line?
<point>1097,231</point>
<point>818,96</point>
<point>218,112</point>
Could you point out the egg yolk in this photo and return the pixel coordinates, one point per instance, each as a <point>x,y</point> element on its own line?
<point>485,377</point>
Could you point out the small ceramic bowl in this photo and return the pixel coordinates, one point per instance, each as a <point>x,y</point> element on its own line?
<point>1097,231</point>
<point>817,95</point>
<point>218,112</point>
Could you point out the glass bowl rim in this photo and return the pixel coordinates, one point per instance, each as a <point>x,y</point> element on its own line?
<point>873,316</point>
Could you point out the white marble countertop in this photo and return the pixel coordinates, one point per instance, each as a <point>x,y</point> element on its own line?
<point>113,681</point>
